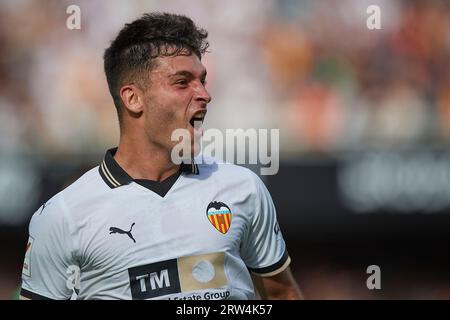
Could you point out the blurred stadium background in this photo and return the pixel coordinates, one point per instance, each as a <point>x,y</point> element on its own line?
<point>364,118</point>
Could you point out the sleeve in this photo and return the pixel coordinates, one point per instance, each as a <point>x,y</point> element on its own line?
<point>49,257</point>
<point>263,249</point>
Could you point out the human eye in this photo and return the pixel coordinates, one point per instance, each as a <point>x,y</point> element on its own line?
<point>181,82</point>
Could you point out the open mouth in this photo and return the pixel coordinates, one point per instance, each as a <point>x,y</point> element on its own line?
<point>197,119</point>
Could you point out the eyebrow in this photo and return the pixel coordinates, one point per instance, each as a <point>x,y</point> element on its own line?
<point>189,74</point>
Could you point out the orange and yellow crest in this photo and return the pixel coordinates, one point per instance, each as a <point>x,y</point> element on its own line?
<point>219,214</point>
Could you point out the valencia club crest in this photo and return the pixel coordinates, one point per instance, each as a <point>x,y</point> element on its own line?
<point>219,214</point>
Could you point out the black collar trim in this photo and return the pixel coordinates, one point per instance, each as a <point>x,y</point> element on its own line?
<point>114,176</point>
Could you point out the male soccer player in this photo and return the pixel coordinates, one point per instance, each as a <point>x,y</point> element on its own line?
<point>139,226</point>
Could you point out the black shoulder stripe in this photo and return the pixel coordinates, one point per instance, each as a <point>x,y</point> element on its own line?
<point>273,267</point>
<point>31,295</point>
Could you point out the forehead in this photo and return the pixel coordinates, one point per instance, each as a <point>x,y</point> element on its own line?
<point>171,65</point>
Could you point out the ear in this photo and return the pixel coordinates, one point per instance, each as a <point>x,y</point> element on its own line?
<point>132,98</point>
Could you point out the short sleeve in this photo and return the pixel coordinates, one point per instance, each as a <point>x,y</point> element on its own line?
<point>263,248</point>
<point>49,258</point>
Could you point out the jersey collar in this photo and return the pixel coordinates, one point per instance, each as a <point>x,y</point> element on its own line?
<point>114,176</point>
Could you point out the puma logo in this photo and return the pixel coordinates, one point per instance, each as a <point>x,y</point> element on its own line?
<point>120,231</point>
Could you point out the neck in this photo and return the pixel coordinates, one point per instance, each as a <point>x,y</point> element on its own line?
<point>142,160</point>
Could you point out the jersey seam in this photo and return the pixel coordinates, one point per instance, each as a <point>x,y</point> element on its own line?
<point>71,224</point>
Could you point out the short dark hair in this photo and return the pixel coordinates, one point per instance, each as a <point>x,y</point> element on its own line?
<point>132,52</point>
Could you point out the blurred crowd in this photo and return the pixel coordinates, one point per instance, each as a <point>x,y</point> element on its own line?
<point>311,68</point>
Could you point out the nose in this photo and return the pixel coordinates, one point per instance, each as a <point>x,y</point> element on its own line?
<point>202,94</point>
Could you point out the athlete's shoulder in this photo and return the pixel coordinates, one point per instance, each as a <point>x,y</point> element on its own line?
<point>226,172</point>
<point>85,187</point>
<point>49,218</point>
<point>213,165</point>
<point>90,180</point>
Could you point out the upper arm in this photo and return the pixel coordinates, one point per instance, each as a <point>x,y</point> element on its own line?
<point>264,250</point>
<point>279,286</point>
<point>49,254</point>
<point>262,247</point>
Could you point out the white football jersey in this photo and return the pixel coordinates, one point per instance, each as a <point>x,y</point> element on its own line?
<point>196,235</point>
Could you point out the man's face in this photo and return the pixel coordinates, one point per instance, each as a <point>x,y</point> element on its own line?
<point>174,98</point>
